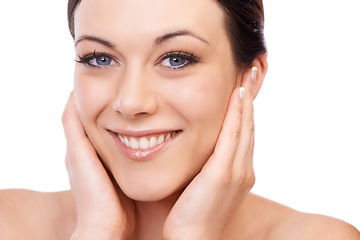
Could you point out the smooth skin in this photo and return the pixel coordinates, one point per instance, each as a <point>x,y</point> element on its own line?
<point>33,215</point>
<point>198,187</point>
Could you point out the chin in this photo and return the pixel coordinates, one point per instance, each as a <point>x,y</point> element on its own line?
<point>150,192</point>
<point>152,184</point>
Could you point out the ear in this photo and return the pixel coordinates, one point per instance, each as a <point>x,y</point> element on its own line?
<point>261,64</point>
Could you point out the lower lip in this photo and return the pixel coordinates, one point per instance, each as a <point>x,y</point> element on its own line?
<point>142,154</point>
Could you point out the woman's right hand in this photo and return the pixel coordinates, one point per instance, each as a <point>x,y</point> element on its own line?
<point>103,211</point>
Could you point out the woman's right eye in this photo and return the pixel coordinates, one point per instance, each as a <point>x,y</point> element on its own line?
<point>98,60</point>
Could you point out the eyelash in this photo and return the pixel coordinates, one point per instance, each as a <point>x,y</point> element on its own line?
<point>87,59</point>
<point>190,58</point>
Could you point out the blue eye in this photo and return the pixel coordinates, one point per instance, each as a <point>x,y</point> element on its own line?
<point>174,62</point>
<point>177,60</point>
<point>97,60</point>
<point>102,60</point>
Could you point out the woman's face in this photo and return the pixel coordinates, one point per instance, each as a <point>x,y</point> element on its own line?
<point>153,88</point>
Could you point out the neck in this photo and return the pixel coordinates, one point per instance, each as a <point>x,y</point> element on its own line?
<point>151,216</point>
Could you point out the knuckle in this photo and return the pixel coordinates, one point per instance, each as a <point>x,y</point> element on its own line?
<point>251,125</point>
<point>236,134</point>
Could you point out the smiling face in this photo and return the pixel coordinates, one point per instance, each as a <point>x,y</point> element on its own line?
<point>152,87</point>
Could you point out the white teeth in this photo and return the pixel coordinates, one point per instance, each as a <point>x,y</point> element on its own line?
<point>160,140</point>
<point>127,142</point>
<point>144,143</point>
<point>134,143</point>
<point>153,142</point>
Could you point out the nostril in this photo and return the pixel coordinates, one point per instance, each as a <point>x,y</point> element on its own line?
<point>141,114</point>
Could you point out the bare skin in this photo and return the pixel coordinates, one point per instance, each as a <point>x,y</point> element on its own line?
<point>33,215</point>
<point>126,86</point>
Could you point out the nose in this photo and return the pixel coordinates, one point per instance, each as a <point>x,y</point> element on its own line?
<point>135,96</point>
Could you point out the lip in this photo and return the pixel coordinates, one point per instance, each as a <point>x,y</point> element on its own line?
<point>142,154</point>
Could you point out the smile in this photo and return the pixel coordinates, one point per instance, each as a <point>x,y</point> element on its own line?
<point>146,142</point>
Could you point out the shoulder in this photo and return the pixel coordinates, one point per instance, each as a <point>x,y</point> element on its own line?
<point>312,226</point>
<point>260,218</point>
<point>25,213</point>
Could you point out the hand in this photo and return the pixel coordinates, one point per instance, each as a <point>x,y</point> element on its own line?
<point>100,204</point>
<point>211,200</point>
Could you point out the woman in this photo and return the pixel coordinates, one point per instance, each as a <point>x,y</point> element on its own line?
<point>160,130</point>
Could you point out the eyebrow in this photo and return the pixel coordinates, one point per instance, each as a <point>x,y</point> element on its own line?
<point>157,41</point>
<point>94,39</point>
<point>170,35</point>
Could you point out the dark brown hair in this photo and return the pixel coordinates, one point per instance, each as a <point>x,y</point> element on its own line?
<point>244,22</point>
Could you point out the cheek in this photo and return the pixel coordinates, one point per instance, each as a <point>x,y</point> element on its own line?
<point>92,95</point>
<point>204,100</point>
<point>203,103</point>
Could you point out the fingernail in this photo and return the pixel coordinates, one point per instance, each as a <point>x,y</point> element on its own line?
<point>254,72</point>
<point>241,93</point>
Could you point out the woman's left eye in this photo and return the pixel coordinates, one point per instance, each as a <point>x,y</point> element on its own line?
<point>98,60</point>
<point>177,60</point>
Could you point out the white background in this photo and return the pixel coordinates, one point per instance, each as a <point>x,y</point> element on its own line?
<point>307,153</point>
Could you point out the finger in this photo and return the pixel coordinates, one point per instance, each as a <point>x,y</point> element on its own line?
<point>76,136</point>
<point>250,162</point>
<point>245,144</point>
<point>229,136</point>
<point>73,128</point>
<point>82,161</point>
<point>77,141</point>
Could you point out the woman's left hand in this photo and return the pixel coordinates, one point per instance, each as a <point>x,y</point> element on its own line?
<point>211,200</point>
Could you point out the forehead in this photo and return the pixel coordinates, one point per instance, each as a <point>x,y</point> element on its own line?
<point>143,19</point>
